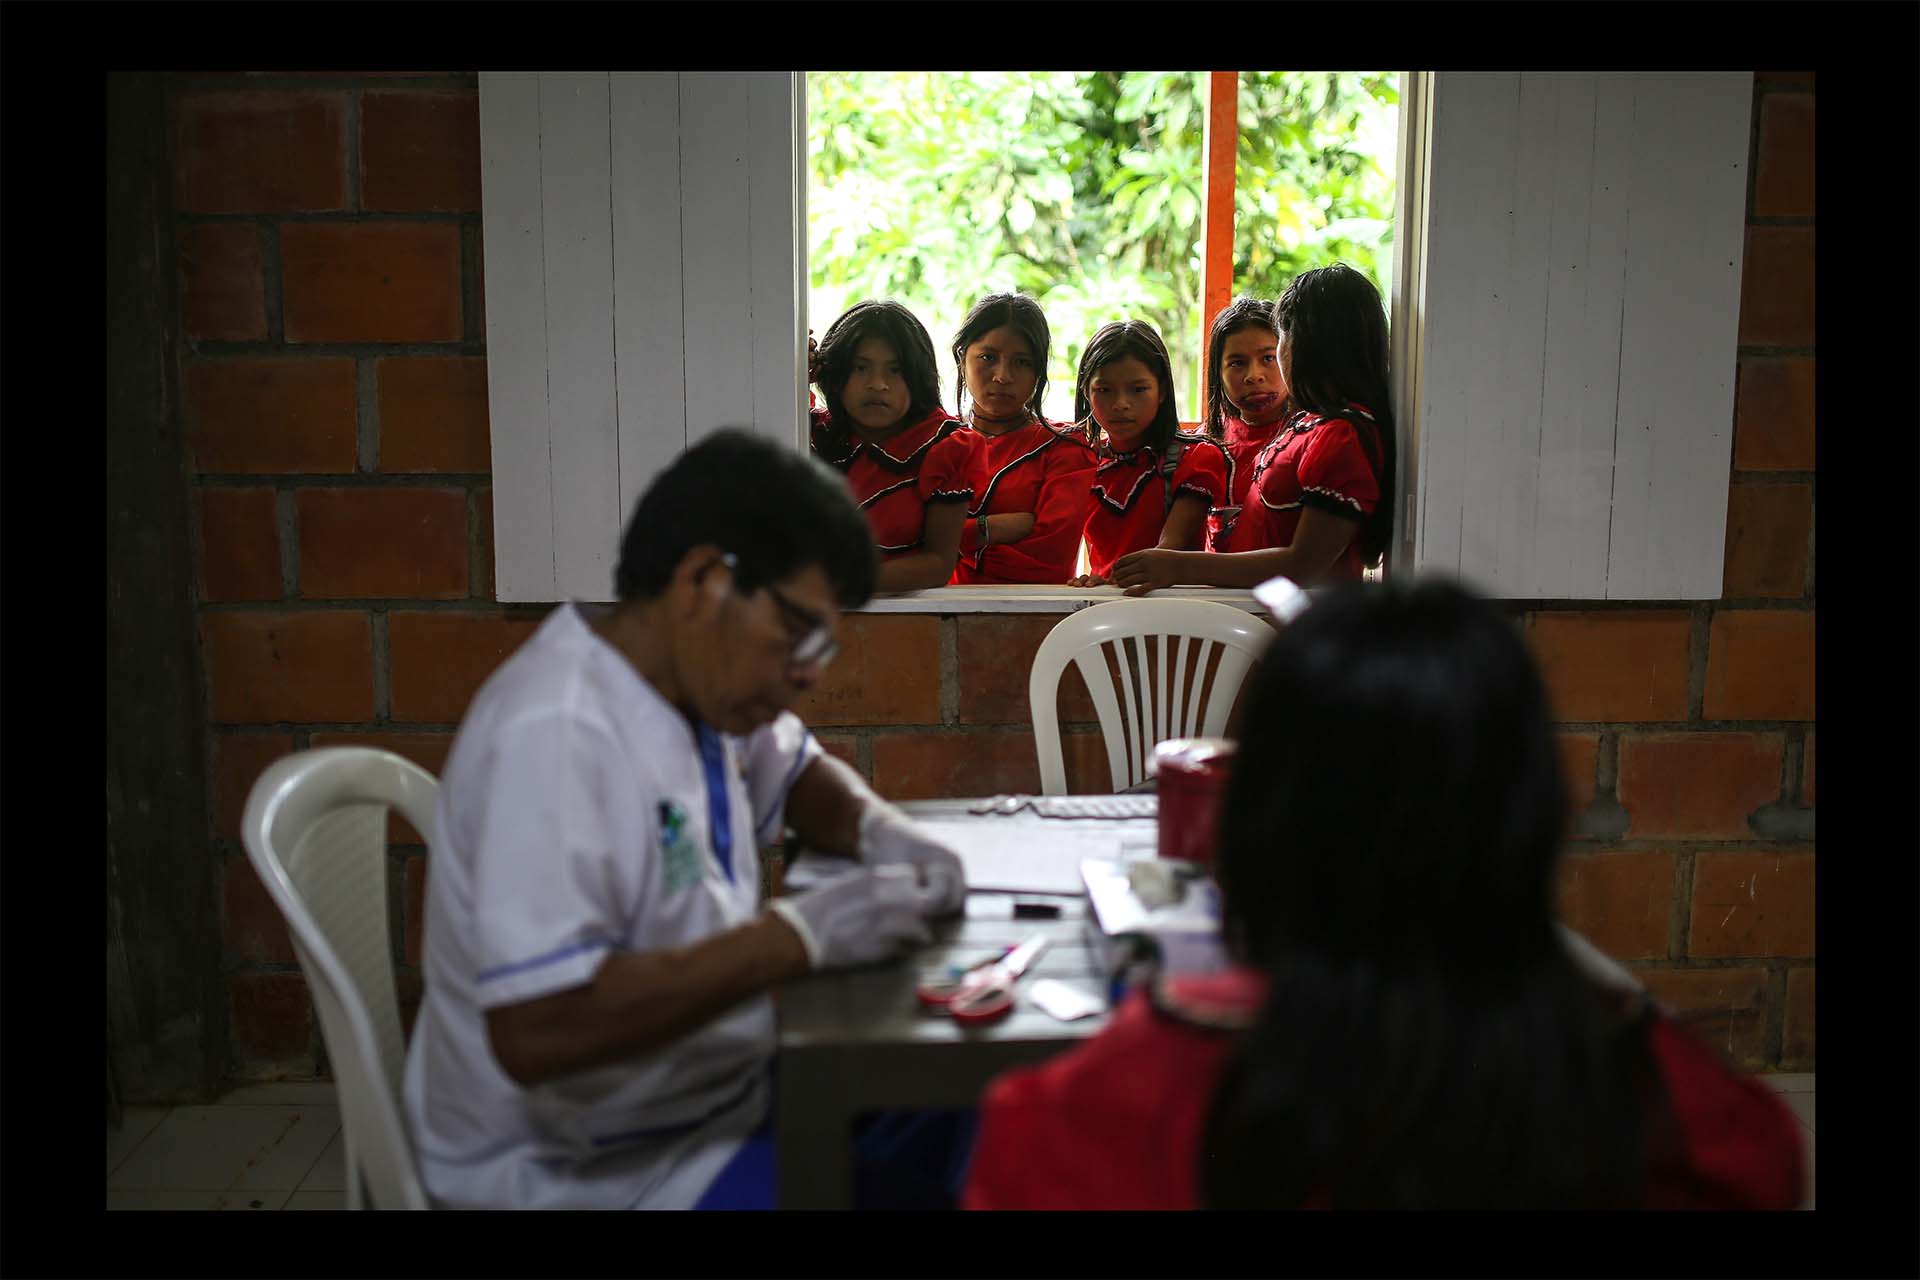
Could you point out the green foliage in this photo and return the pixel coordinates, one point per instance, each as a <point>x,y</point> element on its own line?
<point>1084,190</point>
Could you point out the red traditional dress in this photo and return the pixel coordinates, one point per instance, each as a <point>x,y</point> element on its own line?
<point>1134,491</point>
<point>1316,461</point>
<point>1244,445</point>
<point>1116,1122</point>
<point>1041,467</point>
<point>884,478</point>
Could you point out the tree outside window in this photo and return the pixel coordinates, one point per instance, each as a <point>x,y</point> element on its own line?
<point>1084,190</point>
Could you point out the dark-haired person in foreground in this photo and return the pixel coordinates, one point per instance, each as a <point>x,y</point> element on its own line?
<point>1408,1026</point>
<point>597,1028</point>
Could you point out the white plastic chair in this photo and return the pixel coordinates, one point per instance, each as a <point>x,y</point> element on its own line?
<point>1155,705</point>
<point>315,830</point>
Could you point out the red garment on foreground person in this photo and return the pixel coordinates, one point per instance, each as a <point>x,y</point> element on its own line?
<point>1116,1122</point>
<point>1040,468</point>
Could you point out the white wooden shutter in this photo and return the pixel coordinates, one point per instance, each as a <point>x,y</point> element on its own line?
<point>642,251</point>
<point>1577,319</point>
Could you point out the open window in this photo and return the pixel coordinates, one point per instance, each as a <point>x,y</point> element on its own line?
<point>1563,278</point>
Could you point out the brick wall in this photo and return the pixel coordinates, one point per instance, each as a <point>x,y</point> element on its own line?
<point>335,403</point>
<point>335,395</point>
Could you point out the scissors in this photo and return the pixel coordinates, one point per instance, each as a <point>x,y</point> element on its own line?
<point>984,992</point>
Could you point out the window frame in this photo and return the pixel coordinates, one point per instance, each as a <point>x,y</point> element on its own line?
<point>1219,154</point>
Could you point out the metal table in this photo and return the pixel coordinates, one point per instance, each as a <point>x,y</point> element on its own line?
<point>858,1040</point>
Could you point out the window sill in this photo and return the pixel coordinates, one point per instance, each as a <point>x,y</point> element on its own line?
<point>1040,599</point>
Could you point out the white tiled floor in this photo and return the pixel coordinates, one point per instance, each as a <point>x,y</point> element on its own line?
<point>260,1147</point>
<point>1797,1092</point>
<point>278,1146</point>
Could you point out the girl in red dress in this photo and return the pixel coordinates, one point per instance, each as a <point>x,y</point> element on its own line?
<point>1153,484</point>
<point>1019,480</point>
<point>882,418</point>
<point>1246,399</point>
<point>1319,503</point>
<point>1407,1025</point>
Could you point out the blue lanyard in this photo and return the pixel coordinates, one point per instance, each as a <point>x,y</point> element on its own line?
<point>713,757</point>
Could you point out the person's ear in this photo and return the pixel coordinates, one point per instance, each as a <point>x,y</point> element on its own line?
<point>700,581</point>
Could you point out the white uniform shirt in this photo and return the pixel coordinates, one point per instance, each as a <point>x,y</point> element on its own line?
<point>578,815</point>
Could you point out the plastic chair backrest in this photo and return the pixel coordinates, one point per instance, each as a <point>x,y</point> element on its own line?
<point>1141,702</point>
<point>315,830</point>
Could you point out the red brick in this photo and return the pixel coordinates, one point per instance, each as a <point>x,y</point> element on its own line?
<point>1701,785</point>
<point>420,152</point>
<point>1088,771</point>
<point>413,909</point>
<point>483,501</point>
<point>238,761</point>
<point>888,672</point>
<point>1796,1040</point>
<point>1773,422</point>
<point>239,544</point>
<point>1724,1007</point>
<point>916,766</point>
<point>1760,665</point>
<point>1613,666</point>
<point>221,294</point>
<point>272,1017</point>
<point>843,748</point>
<point>371,281</point>
<point>1783,176</point>
<point>269,667</point>
<point>260,152</point>
<point>252,927</point>
<point>996,656</point>
<point>1579,760</point>
<point>1751,904</point>
<point>1806,774</point>
<point>1767,529</point>
<point>362,542</point>
<point>433,414</point>
<point>1620,902</point>
<point>1776,288</point>
<point>251,415</point>
<point>428,750</point>
<point>438,661</point>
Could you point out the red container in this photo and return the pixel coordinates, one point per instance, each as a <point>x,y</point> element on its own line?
<point>1191,778</point>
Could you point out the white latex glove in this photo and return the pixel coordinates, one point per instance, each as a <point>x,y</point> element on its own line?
<point>863,915</point>
<point>890,837</point>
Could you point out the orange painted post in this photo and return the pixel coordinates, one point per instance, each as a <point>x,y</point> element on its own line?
<point>1216,211</point>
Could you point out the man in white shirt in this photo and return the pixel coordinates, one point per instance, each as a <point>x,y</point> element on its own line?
<point>597,1029</point>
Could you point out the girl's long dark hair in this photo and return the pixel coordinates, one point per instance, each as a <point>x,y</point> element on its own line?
<point>1388,850</point>
<point>1241,313</point>
<point>1118,341</point>
<point>1336,332</point>
<point>1017,312</point>
<point>893,324</point>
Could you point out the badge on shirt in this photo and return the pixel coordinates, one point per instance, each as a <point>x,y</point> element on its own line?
<point>679,855</point>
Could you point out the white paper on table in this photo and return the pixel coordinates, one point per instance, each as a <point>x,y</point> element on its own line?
<point>1031,857</point>
<point>1007,854</point>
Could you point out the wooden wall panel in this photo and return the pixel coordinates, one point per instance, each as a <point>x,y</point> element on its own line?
<point>1582,264</point>
<point>642,258</point>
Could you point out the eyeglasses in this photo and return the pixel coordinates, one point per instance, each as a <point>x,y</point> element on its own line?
<point>816,646</point>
